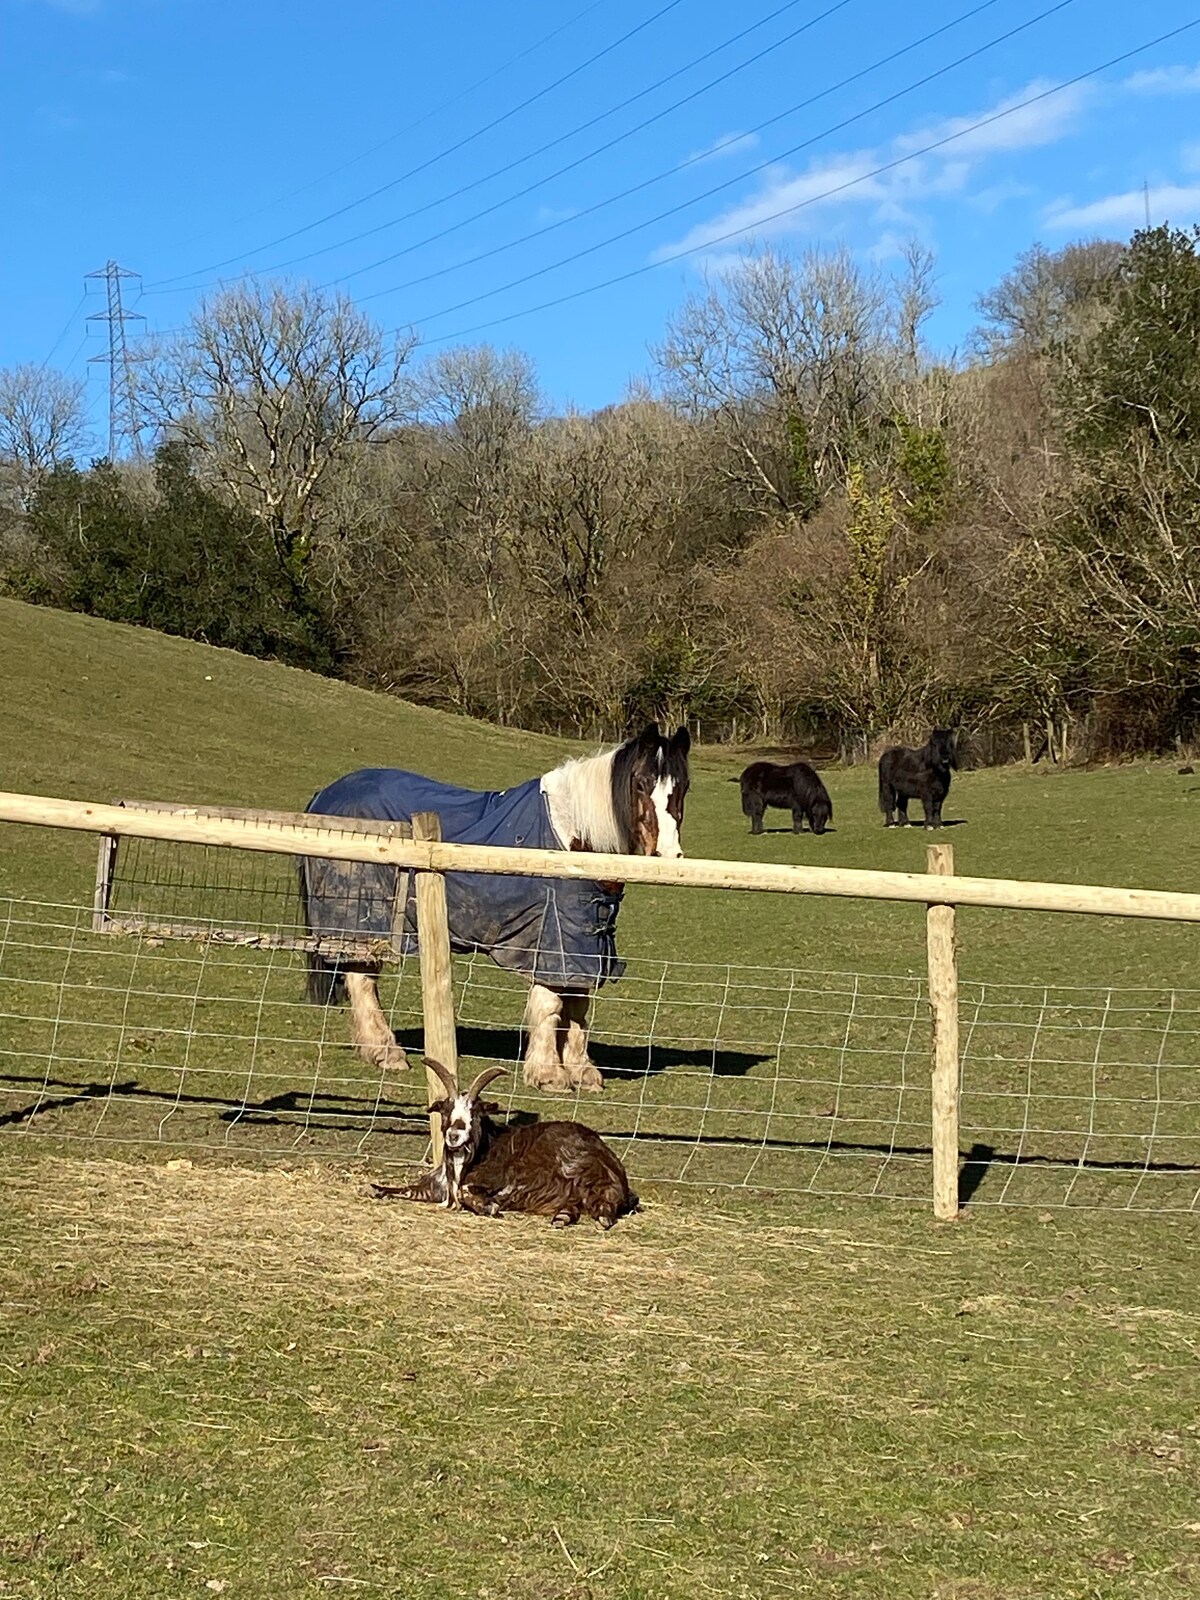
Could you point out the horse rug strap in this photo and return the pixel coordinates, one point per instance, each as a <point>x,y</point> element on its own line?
<point>560,932</point>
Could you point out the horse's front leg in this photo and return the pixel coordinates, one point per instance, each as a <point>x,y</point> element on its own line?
<point>581,1069</point>
<point>373,1036</point>
<point>544,1067</point>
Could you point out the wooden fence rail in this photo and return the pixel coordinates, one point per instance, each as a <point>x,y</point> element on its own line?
<point>329,836</point>
<point>421,848</point>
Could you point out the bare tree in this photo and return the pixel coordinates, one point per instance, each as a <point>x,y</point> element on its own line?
<point>1048,296</point>
<point>478,407</point>
<point>43,423</point>
<point>794,357</point>
<point>271,387</point>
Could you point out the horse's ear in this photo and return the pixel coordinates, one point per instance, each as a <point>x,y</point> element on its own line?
<point>649,738</point>
<point>681,742</point>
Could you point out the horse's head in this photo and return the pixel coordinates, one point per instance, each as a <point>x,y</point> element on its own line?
<point>650,783</point>
<point>943,747</point>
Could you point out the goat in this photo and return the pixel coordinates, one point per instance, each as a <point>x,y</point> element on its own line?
<point>559,1170</point>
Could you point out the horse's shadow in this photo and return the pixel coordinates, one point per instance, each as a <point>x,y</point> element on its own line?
<point>946,822</point>
<point>614,1060</point>
<point>783,828</point>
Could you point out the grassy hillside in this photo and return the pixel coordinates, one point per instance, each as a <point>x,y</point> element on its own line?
<point>95,711</point>
<point>254,1381</point>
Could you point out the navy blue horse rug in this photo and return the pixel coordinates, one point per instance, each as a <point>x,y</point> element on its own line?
<point>559,932</point>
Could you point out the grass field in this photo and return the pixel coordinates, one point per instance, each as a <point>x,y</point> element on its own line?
<point>243,1378</point>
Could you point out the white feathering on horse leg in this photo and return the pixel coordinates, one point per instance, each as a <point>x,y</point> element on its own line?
<point>373,1038</point>
<point>581,1069</point>
<point>543,1065</point>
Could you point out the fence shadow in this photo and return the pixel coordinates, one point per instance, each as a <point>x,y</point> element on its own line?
<point>79,1094</point>
<point>344,1112</point>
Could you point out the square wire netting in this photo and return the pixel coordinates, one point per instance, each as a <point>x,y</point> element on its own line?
<point>716,1074</point>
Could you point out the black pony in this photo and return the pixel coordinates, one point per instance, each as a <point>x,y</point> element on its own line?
<point>797,789</point>
<point>922,775</point>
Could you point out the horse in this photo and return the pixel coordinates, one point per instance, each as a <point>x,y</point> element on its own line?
<point>924,774</point>
<point>559,934</point>
<point>797,788</point>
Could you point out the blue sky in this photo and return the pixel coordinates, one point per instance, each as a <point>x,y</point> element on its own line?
<point>188,139</point>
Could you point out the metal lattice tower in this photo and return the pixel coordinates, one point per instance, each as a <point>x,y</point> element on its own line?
<point>123,421</point>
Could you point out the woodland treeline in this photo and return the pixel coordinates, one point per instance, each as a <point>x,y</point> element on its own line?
<point>803,527</point>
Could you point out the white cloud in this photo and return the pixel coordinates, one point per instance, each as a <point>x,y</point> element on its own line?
<point>1189,156</point>
<point>1167,202</point>
<point>729,144</point>
<point>1164,80</point>
<point>1008,125</point>
<point>545,214</point>
<point>853,179</point>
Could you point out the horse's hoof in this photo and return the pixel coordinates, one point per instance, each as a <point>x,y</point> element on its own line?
<point>562,1219</point>
<point>552,1078</point>
<point>587,1078</point>
<point>392,1058</point>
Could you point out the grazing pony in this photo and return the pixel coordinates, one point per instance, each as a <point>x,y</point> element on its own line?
<point>559,1170</point>
<point>922,775</point>
<point>797,789</point>
<point>560,933</point>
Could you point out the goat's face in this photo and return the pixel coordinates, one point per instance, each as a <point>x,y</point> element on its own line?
<point>464,1125</point>
<point>462,1120</point>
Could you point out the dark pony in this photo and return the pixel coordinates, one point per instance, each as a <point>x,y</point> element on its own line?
<point>559,934</point>
<point>797,788</point>
<point>923,775</point>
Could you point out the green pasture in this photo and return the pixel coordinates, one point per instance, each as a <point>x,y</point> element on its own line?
<point>226,1370</point>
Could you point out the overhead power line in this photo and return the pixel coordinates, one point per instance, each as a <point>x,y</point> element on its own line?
<point>434,159</point>
<point>551,144</point>
<point>826,194</point>
<point>65,329</point>
<point>418,122</point>
<point>728,183</point>
<point>681,166</point>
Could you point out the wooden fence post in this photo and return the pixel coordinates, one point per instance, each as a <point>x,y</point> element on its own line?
<point>437,986</point>
<point>943,1006</point>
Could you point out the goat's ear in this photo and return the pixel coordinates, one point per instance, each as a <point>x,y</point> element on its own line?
<point>490,1108</point>
<point>442,1107</point>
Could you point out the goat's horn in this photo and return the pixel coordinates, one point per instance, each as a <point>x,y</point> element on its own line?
<point>482,1081</point>
<point>449,1083</point>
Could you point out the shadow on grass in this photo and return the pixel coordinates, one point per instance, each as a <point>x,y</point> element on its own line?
<point>407,1119</point>
<point>79,1095</point>
<point>785,829</point>
<point>279,1108</point>
<point>617,1060</point>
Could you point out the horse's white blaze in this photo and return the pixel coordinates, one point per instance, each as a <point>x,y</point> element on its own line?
<point>668,829</point>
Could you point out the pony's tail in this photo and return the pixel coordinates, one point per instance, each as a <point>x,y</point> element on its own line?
<point>325,982</point>
<point>887,796</point>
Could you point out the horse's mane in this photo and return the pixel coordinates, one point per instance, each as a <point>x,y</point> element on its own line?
<point>580,796</point>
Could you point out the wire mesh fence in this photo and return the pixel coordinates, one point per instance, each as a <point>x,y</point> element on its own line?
<point>716,1074</point>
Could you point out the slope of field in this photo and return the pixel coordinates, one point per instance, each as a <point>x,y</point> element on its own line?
<point>251,1380</point>
<point>98,711</point>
